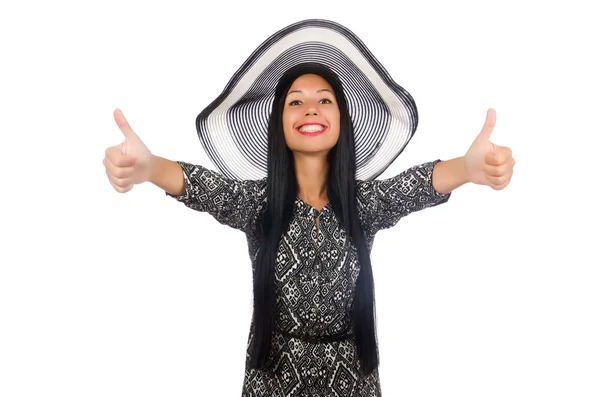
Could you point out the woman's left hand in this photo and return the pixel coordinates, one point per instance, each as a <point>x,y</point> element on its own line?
<point>486,163</point>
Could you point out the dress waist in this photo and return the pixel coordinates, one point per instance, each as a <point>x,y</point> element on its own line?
<point>318,339</point>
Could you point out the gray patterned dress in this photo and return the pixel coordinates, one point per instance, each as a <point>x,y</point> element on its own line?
<point>315,275</point>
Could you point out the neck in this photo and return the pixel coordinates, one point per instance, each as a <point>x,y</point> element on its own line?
<point>311,174</point>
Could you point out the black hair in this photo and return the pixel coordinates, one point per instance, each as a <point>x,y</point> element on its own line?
<point>282,188</point>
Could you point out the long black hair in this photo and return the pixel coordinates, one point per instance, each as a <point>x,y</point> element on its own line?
<point>282,188</point>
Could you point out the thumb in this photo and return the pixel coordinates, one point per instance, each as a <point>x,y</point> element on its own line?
<point>488,126</point>
<point>124,125</point>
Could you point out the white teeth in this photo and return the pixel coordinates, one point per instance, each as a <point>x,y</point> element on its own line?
<point>311,128</point>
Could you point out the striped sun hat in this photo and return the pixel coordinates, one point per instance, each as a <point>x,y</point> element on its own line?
<point>233,128</point>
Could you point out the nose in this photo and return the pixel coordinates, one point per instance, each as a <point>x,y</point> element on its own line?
<point>311,111</point>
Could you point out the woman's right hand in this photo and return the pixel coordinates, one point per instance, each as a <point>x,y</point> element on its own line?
<point>128,163</point>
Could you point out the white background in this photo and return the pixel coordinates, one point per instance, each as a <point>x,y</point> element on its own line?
<point>104,294</point>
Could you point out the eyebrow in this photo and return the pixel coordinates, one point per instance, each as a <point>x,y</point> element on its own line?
<point>318,91</point>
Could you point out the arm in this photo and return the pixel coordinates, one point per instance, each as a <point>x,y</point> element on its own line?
<point>449,175</point>
<point>383,202</point>
<point>167,175</point>
<point>231,202</point>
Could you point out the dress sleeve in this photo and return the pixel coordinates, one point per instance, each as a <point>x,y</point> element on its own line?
<point>232,202</point>
<point>382,203</point>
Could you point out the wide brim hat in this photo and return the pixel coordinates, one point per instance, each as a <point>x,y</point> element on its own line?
<point>233,128</point>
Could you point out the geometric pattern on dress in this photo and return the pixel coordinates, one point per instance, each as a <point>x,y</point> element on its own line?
<point>315,276</point>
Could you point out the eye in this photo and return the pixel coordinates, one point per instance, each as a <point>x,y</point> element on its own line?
<point>294,103</point>
<point>325,100</point>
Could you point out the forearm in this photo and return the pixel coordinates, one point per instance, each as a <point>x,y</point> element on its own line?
<point>449,175</point>
<point>167,175</point>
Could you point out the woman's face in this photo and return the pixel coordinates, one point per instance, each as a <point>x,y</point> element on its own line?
<point>311,116</point>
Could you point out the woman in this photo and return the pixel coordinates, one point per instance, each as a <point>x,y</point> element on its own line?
<point>310,222</point>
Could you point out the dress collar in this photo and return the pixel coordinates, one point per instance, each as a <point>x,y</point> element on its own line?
<point>306,209</point>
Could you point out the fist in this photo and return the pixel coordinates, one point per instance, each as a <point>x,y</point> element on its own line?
<point>498,167</point>
<point>487,163</point>
<point>128,163</point>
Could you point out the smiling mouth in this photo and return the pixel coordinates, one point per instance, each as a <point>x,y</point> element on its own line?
<point>311,129</point>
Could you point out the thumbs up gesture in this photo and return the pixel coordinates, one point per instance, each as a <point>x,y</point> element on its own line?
<point>128,163</point>
<point>486,163</point>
